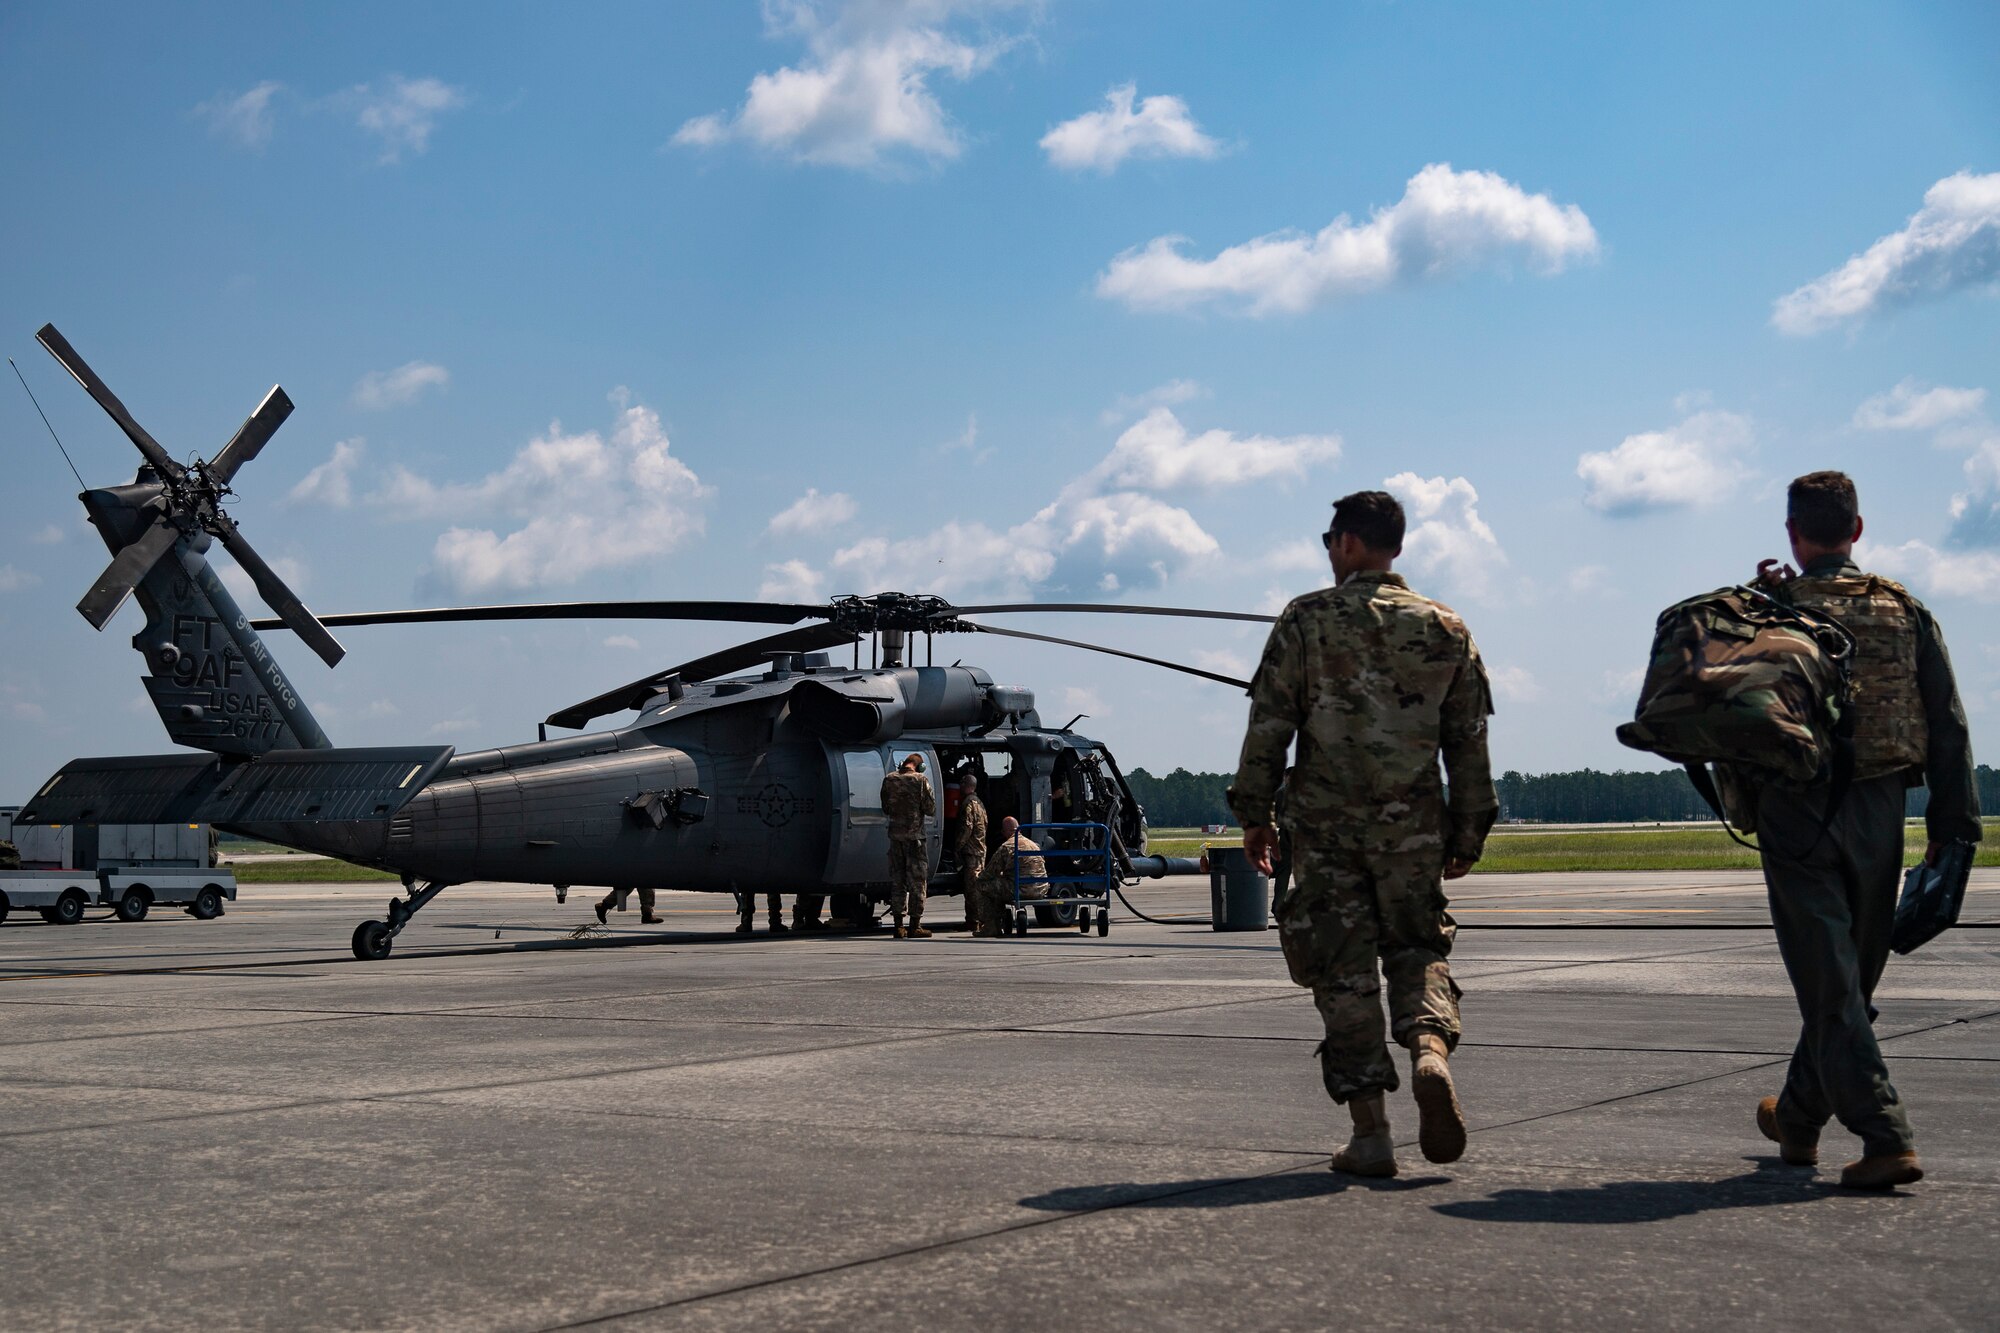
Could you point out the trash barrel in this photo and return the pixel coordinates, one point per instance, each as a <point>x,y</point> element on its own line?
<point>1239,895</point>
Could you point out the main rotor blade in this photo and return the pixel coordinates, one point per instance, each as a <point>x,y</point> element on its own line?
<point>252,435</point>
<point>635,693</point>
<point>1114,652</point>
<point>756,613</point>
<point>59,348</point>
<point>127,568</point>
<point>291,611</point>
<point>1114,608</point>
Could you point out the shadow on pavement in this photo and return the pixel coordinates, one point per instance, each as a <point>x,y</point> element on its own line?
<point>1626,1201</point>
<point>1221,1192</point>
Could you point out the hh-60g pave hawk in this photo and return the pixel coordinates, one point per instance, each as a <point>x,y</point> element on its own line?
<point>766,782</point>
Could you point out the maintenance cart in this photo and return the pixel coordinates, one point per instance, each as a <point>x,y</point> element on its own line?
<point>1082,882</point>
<point>66,869</point>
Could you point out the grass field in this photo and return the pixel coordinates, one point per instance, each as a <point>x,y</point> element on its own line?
<point>303,869</point>
<point>1700,848</point>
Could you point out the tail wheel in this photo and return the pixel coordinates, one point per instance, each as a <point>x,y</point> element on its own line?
<point>372,941</point>
<point>207,904</point>
<point>138,900</point>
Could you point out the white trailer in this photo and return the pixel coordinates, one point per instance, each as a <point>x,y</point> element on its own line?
<point>130,868</point>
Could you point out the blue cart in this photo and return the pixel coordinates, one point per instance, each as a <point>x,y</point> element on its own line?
<point>1080,876</point>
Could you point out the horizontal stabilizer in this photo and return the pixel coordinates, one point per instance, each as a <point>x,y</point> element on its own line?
<point>279,786</point>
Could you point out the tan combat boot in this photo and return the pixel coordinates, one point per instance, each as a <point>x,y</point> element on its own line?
<point>917,931</point>
<point>1440,1122</point>
<point>1790,1152</point>
<point>1882,1171</point>
<point>1371,1152</point>
<point>899,929</point>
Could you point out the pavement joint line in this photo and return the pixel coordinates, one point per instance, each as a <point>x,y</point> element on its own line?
<point>1775,1183</point>
<point>929,1247</point>
<point>419,1093</point>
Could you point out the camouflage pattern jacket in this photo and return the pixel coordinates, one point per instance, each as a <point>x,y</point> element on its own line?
<point>971,841</point>
<point>1376,682</point>
<point>1034,870</point>
<point>907,799</point>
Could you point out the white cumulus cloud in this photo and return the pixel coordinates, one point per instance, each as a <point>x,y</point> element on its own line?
<point>332,482</point>
<point>1157,453</point>
<point>1697,462</point>
<point>1514,684</point>
<point>792,581</point>
<point>813,513</point>
<point>1951,243</point>
<point>1910,406</point>
<point>1972,574</point>
<point>402,112</point>
<point>1446,538</point>
<point>1099,140</point>
<point>621,641</point>
<point>573,504</point>
<point>13,580</point>
<point>382,389</point>
<point>245,119</point>
<point>1446,221</point>
<point>862,94</point>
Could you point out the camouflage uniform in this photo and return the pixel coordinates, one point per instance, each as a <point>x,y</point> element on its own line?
<point>970,845</point>
<point>10,855</point>
<point>1375,681</point>
<point>996,889</point>
<point>1833,909</point>
<point>907,800</point>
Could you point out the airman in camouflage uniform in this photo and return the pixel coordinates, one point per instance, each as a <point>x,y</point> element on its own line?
<point>10,855</point>
<point>907,800</point>
<point>970,844</point>
<point>996,887</point>
<point>1376,683</point>
<point>1834,906</point>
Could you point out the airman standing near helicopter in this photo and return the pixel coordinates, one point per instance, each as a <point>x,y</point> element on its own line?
<point>970,844</point>
<point>907,800</point>
<point>617,898</point>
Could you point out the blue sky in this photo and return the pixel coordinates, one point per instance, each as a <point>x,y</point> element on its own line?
<point>998,300</point>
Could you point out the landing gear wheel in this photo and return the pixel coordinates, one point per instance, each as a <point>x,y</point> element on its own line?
<point>1057,914</point>
<point>133,906</point>
<point>67,910</point>
<point>207,904</point>
<point>1104,921</point>
<point>372,940</point>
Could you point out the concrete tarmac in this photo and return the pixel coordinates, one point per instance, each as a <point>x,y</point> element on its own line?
<point>234,1124</point>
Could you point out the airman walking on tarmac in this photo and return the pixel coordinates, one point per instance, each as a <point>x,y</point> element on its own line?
<point>907,800</point>
<point>1375,682</point>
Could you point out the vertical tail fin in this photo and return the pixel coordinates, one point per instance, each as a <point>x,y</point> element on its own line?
<point>215,684</point>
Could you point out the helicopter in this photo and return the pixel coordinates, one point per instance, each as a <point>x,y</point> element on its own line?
<point>753,770</point>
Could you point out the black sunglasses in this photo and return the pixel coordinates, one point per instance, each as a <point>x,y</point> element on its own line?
<point>1326,539</point>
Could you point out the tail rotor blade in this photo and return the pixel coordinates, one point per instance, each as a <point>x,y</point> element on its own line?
<point>280,598</point>
<point>1114,652</point>
<point>252,435</point>
<point>125,571</point>
<point>59,348</point>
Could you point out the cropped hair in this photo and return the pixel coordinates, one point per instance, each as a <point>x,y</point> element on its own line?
<point>1822,507</point>
<point>1375,517</point>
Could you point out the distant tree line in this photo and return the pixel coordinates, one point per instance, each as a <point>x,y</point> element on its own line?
<point>1182,799</point>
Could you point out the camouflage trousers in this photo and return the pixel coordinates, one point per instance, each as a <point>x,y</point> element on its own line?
<point>909,868</point>
<point>1346,909</point>
<point>968,879</point>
